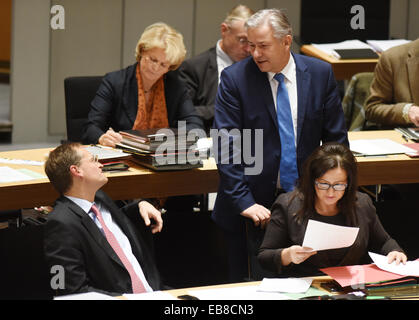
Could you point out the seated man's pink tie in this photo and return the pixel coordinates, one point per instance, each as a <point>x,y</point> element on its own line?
<point>137,284</point>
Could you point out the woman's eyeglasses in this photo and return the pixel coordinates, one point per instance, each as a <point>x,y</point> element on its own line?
<point>326,186</point>
<point>156,63</point>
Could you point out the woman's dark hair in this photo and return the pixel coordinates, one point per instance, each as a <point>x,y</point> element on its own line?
<point>326,157</point>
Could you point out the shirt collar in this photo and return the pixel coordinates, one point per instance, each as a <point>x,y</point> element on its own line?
<point>287,71</point>
<point>82,203</point>
<point>222,55</point>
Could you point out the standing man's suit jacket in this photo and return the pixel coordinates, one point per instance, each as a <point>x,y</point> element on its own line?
<point>395,83</point>
<point>73,241</point>
<point>200,75</point>
<point>245,101</point>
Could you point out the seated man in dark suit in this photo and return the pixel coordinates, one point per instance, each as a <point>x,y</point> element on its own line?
<point>102,248</point>
<point>202,72</point>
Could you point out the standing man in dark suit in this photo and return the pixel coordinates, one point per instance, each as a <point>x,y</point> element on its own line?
<point>100,247</point>
<point>304,92</point>
<point>202,72</point>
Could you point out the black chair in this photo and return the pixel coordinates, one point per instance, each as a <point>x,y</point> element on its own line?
<point>79,92</point>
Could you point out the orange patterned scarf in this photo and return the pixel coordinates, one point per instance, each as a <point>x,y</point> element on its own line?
<point>154,114</point>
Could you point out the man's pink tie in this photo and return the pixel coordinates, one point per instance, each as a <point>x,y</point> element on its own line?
<point>137,284</point>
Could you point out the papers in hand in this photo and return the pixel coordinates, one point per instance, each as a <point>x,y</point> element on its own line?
<point>375,147</point>
<point>325,236</point>
<point>411,268</point>
<point>287,285</point>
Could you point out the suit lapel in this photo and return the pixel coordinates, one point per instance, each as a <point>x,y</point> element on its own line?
<point>93,230</point>
<point>303,86</point>
<point>412,63</point>
<point>130,93</point>
<point>263,89</point>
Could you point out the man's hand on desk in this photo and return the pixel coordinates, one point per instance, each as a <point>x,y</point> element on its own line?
<point>259,214</point>
<point>110,138</point>
<point>414,115</point>
<point>147,212</point>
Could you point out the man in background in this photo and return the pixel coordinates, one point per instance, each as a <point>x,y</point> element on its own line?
<point>202,73</point>
<point>394,98</point>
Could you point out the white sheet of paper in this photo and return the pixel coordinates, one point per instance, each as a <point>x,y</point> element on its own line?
<point>86,296</point>
<point>383,45</point>
<point>239,293</point>
<point>378,147</point>
<point>286,285</point>
<point>8,174</point>
<point>411,268</point>
<point>324,236</point>
<point>155,295</point>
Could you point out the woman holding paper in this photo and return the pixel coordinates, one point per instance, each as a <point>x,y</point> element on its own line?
<point>326,192</point>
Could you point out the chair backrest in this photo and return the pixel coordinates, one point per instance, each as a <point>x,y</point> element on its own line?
<point>79,92</point>
<point>353,101</point>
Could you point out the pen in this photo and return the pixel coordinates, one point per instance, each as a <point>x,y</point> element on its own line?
<point>405,138</point>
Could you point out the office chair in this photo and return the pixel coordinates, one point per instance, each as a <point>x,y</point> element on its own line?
<point>353,101</point>
<point>79,92</point>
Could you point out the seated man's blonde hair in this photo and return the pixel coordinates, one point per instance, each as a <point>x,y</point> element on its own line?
<point>161,35</point>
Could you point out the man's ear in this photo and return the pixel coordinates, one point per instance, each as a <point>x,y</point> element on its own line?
<point>224,28</point>
<point>288,40</point>
<point>75,170</point>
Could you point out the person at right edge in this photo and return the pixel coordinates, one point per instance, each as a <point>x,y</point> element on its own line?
<point>309,113</point>
<point>394,97</point>
<point>327,192</point>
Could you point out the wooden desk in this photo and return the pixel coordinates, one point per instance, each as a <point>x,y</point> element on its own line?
<point>134,183</point>
<point>391,169</point>
<point>141,182</point>
<point>178,292</point>
<point>343,69</point>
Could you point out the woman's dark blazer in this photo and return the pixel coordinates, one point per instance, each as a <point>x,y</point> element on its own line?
<point>116,103</point>
<point>284,231</point>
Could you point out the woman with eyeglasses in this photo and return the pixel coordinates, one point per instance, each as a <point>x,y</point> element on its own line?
<point>326,192</point>
<point>145,95</point>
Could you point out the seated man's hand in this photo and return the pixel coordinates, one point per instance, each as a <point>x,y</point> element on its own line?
<point>414,115</point>
<point>259,214</point>
<point>110,138</point>
<point>147,212</point>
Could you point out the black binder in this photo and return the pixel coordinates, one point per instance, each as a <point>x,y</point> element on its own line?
<point>357,53</point>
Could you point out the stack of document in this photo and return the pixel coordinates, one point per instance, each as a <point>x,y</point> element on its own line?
<point>383,45</point>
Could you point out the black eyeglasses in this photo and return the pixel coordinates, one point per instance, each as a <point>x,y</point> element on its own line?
<point>326,186</point>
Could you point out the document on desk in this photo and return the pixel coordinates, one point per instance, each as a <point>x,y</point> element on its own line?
<point>325,236</point>
<point>411,268</point>
<point>376,147</point>
<point>86,296</point>
<point>155,295</point>
<point>285,285</point>
<point>236,293</point>
<point>8,174</point>
<point>383,45</point>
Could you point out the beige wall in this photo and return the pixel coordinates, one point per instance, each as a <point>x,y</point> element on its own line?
<point>100,36</point>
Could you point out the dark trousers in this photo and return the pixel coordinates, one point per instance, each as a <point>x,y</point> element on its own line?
<point>237,254</point>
